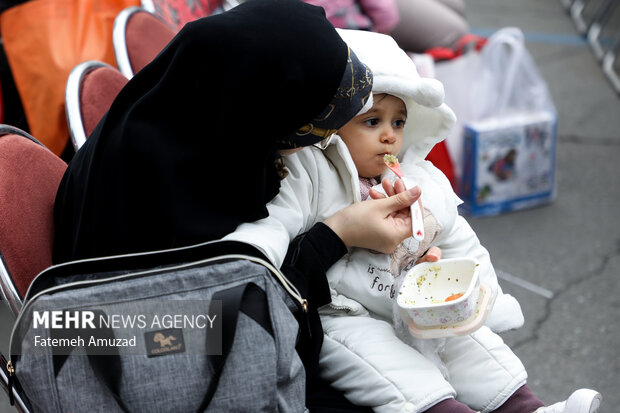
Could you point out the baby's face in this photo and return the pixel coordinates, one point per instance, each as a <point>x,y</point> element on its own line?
<point>375,133</point>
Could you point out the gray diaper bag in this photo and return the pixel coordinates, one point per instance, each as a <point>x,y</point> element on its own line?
<point>210,327</point>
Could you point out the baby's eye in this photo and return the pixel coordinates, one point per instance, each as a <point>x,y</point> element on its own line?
<point>372,122</point>
<point>400,123</point>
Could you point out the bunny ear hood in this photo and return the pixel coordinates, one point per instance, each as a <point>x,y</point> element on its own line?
<point>429,119</point>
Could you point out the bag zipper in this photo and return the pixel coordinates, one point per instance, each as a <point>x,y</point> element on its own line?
<point>11,370</point>
<point>286,284</point>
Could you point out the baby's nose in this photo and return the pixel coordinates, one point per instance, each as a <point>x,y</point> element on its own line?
<point>388,136</point>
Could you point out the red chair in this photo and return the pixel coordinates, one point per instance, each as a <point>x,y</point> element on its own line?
<point>29,177</point>
<point>138,36</point>
<point>90,91</point>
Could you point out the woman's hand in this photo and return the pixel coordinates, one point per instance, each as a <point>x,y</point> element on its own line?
<point>379,224</point>
<point>433,254</point>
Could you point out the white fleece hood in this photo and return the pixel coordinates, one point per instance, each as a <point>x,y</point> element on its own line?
<point>429,119</point>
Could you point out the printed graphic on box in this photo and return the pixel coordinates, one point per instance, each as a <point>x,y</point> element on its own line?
<point>509,163</point>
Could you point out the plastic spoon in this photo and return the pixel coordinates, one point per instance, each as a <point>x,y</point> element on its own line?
<point>417,218</point>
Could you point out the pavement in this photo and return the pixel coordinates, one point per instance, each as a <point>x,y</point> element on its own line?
<point>558,260</point>
<point>563,256</point>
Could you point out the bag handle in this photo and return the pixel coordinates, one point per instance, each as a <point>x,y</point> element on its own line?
<point>503,54</point>
<point>252,301</point>
<point>248,298</point>
<point>99,267</point>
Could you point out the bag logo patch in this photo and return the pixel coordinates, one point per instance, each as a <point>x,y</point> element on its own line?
<point>164,342</point>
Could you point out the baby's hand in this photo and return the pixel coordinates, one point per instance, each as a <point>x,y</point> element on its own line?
<point>432,255</point>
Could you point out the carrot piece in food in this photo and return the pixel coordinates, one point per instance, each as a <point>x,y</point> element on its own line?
<point>454,297</point>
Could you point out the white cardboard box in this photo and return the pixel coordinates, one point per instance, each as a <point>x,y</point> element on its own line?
<point>509,163</point>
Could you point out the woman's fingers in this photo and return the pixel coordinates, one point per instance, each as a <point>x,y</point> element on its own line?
<point>374,194</point>
<point>401,200</point>
<point>388,187</point>
<point>399,186</point>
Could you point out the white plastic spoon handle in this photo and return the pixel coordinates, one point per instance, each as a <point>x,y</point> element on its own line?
<point>417,221</point>
<point>417,217</point>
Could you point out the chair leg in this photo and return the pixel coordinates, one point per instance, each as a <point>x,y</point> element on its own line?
<point>576,10</point>
<point>611,66</point>
<point>566,4</point>
<point>595,29</point>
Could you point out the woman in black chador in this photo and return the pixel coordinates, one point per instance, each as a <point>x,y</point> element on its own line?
<point>191,148</point>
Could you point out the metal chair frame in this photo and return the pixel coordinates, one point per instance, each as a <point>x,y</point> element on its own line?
<point>119,36</point>
<point>593,26</point>
<point>73,106</point>
<point>596,26</point>
<point>608,64</point>
<point>119,39</point>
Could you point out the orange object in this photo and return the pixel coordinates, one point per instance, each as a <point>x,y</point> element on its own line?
<point>454,297</point>
<point>44,40</point>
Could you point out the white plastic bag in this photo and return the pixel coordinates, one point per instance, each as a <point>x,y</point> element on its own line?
<point>500,80</point>
<point>509,80</point>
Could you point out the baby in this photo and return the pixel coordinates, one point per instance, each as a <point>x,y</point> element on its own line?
<point>367,352</point>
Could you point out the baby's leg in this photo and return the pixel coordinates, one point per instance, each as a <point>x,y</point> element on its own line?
<point>522,401</point>
<point>483,370</point>
<point>362,357</point>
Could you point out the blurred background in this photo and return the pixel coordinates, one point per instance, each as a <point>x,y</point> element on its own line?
<point>560,260</point>
<point>564,256</point>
